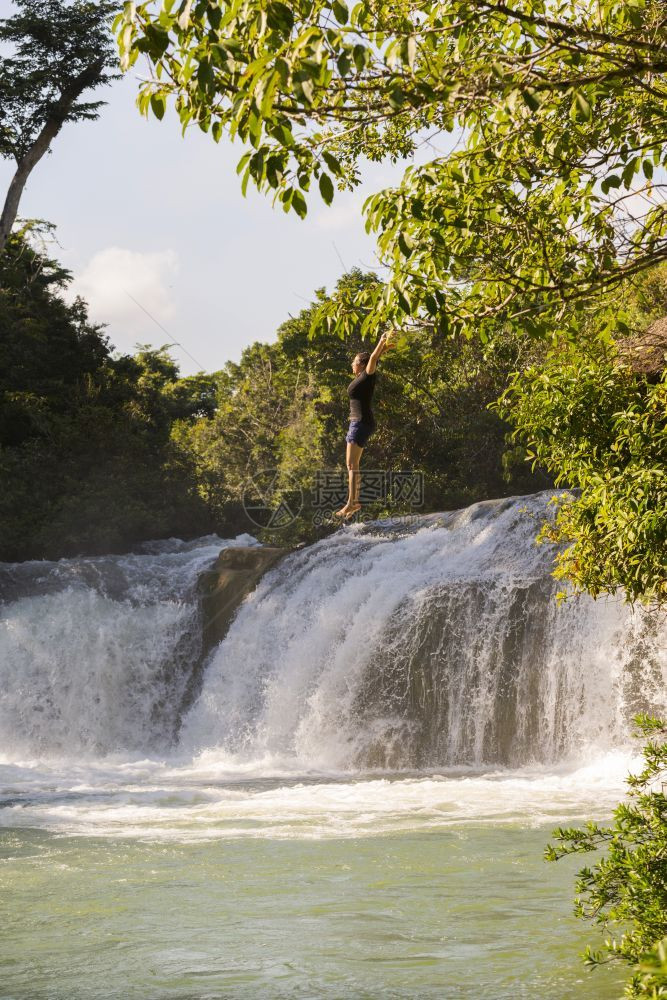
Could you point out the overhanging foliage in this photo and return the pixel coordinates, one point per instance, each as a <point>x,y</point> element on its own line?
<point>555,191</point>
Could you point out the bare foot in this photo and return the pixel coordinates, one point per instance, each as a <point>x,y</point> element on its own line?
<point>352,510</point>
<point>342,512</point>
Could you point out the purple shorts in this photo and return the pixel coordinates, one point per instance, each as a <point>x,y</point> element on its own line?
<point>359,432</point>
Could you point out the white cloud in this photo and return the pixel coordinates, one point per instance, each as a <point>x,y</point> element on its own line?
<point>125,288</point>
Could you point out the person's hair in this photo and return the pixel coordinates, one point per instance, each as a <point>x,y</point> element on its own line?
<point>364,356</point>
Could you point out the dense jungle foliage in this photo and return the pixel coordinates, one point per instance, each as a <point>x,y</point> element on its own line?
<point>101,451</point>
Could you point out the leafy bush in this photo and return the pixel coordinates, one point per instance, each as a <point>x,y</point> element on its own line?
<point>602,430</point>
<point>627,888</point>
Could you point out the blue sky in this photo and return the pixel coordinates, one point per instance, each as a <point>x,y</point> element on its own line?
<point>142,212</point>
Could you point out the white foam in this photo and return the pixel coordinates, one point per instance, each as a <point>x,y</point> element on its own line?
<point>95,654</point>
<point>209,799</point>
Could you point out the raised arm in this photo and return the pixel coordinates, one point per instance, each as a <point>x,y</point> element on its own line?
<point>379,350</point>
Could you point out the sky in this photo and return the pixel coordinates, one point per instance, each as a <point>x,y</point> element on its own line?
<point>155,230</point>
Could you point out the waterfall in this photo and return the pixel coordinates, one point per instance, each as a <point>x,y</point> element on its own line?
<point>429,644</point>
<point>436,644</point>
<point>96,654</point>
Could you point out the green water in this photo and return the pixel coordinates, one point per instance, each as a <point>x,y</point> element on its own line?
<point>459,913</point>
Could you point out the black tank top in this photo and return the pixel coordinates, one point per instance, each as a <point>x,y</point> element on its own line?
<point>360,390</point>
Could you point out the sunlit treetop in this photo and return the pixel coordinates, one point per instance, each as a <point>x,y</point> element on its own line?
<point>52,52</point>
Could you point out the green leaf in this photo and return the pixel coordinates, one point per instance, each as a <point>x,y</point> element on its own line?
<point>326,188</point>
<point>299,204</point>
<point>214,15</point>
<point>158,105</point>
<point>396,97</point>
<point>332,163</point>
<point>531,98</point>
<point>611,181</point>
<point>406,244</point>
<point>581,108</point>
<point>183,19</point>
<point>417,208</point>
<point>404,301</point>
<point>629,171</point>
<point>340,11</point>
<point>286,198</point>
<point>306,87</point>
<point>158,40</point>
<point>280,17</point>
<point>344,63</point>
<point>431,305</point>
<point>243,162</point>
<point>359,56</point>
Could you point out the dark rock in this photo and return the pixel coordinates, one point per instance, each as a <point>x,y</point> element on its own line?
<point>235,573</point>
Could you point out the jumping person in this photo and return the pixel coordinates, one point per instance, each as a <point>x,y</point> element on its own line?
<point>362,421</point>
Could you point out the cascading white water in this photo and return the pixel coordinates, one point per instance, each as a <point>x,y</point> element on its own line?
<point>96,653</point>
<point>434,649</point>
<point>427,648</point>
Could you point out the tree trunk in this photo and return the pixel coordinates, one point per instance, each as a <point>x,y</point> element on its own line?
<point>53,124</point>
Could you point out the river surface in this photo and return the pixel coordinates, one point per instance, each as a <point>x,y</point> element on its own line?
<point>395,886</point>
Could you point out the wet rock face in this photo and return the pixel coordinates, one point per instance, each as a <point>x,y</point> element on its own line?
<point>235,573</point>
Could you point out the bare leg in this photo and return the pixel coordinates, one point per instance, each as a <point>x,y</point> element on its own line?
<point>354,472</point>
<point>354,476</point>
<point>353,458</point>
